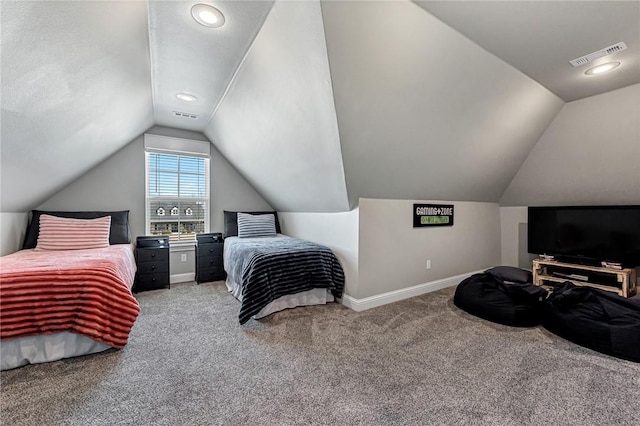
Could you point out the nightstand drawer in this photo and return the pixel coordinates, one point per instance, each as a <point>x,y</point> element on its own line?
<point>151,281</point>
<point>153,267</point>
<point>150,255</point>
<point>208,262</point>
<point>210,250</point>
<point>211,238</point>
<point>215,273</point>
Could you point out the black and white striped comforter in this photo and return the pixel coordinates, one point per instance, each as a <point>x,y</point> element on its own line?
<point>270,267</point>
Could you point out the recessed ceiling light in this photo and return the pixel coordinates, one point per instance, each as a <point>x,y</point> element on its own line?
<point>602,68</point>
<point>207,15</point>
<point>186,97</point>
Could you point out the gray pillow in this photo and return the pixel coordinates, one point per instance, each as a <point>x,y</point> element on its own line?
<point>250,226</point>
<point>231,222</point>
<point>511,274</point>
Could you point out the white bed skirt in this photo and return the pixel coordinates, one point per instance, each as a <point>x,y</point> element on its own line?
<point>49,347</point>
<point>316,296</point>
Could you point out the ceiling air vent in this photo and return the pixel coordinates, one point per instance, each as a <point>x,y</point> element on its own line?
<point>185,114</point>
<point>618,47</point>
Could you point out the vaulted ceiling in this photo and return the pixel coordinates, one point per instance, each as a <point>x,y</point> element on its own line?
<point>76,87</point>
<point>193,59</point>
<point>540,38</point>
<point>315,103</point>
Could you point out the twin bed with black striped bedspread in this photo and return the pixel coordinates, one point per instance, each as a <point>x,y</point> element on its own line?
<point>268,268</point>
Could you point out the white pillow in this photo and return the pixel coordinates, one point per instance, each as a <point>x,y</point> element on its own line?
<point>61,233</point>
<point>261,225</point>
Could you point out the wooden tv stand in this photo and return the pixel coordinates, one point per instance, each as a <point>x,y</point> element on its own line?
<point>620,281</point>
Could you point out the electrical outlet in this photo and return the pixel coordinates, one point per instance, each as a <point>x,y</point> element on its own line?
<point>429,264</point>
<point>183,257</point>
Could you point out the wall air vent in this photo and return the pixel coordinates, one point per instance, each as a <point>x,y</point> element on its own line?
<point>185,115</point>
<point>618,47</point>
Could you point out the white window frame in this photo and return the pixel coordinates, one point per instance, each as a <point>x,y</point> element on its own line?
<point>182,147</point>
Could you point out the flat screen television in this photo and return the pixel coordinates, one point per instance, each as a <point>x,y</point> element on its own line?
<point>586,234</point>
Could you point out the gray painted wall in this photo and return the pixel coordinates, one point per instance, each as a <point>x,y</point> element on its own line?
<point>115,184</point>
<point>182,270</point>
<point>338,231</point>
<point>118,184</point>
<point>381,252</point>
<point>12,229</point>
<point>423,112</point>
<point>176,133</point>
<point>393,254</point>
<point>513,228</point>
<point>590,154</point>
<point>277,123</point>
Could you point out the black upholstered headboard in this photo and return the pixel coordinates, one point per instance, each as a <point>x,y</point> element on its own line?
<point>118,233</point>
<point>231,222</point>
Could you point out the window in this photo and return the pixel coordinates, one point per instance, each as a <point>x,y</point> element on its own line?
<point>177,194</point>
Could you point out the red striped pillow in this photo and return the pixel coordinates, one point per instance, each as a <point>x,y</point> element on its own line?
<point>61,233</point>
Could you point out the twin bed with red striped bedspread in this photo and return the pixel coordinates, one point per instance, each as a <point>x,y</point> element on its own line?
<point>82,292</point>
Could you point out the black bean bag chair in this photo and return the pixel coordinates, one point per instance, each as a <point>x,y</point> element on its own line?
<point>503,295</point>
<point>597,319</point>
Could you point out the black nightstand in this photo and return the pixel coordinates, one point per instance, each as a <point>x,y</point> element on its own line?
<point>209,264</point>
<point>152,260</point>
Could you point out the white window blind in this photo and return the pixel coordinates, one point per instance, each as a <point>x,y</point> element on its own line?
<point>177,194</point>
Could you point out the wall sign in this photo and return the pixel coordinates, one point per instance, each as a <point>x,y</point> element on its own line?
<point>432,215</point>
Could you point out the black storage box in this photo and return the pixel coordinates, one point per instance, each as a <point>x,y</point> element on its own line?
<point>214,237</point>
<point>155,241</point>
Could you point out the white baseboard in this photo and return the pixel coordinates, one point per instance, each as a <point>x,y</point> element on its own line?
<point>404,293</point>
<point>182,278</point>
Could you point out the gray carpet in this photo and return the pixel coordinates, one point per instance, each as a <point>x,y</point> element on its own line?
<point>416,362</point>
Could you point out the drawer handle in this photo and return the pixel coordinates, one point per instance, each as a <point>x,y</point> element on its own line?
<point>153,255</point>
<point>153,279</point>
<point>153,266</point>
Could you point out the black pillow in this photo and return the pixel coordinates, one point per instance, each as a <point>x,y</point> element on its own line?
<point>118,233</point>
<point>511,274</point>
<point>231,222</point>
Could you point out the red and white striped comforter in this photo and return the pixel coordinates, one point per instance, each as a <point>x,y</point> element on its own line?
<point>87,292</point>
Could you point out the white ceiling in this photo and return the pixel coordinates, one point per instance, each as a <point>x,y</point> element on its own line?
<point>451,136</point>
<point>81,79</point>
<point>277,123</point>
<point>76,87</point>
<point>539,38</point>
<point>189,58</point>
